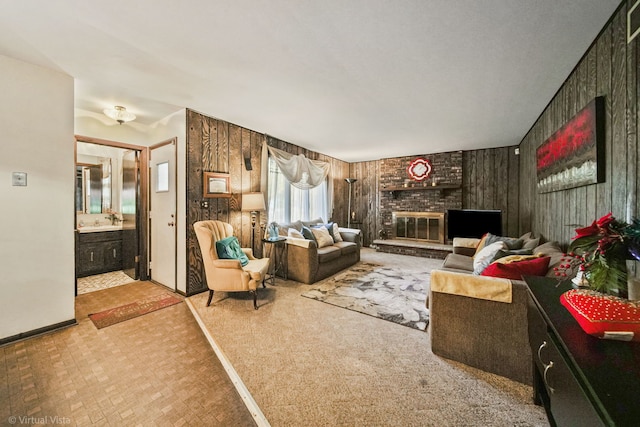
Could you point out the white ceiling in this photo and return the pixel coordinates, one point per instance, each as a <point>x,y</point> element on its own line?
<point>354,79</point>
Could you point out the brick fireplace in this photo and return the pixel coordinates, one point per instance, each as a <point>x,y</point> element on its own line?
<point>418,204</point>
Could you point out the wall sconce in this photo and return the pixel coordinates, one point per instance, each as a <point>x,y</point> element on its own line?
<point>119,114</point>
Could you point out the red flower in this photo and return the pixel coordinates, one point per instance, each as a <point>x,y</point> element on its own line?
<point>605,220</point>
<point>587,231</point>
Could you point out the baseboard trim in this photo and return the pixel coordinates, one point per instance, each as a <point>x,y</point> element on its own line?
<point>40,331</point>
<point>243,391</point>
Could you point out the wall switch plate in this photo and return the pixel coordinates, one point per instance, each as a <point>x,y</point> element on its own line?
<point>19,179</point>
<point>204,204</point>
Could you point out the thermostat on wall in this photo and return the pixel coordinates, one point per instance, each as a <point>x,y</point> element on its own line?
<point>19,179</point>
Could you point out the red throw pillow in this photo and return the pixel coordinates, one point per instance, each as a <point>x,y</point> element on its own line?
<point>515,270</point>
<point>604,316</point>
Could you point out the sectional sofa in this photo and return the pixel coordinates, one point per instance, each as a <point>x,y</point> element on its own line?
<point>482,321</point>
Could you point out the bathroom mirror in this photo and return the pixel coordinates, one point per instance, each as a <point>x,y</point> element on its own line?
<point>93,186</point>
<point>96,167</point>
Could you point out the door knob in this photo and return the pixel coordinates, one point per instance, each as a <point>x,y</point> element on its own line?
<point>171,224</point>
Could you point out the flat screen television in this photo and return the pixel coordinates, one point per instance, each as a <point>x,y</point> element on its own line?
<point>473,223</point>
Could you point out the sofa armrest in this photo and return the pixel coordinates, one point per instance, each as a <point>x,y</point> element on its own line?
<point>351,235</point>
<point>302,262</point>
<point>488,335</point>
<point>465,245</point>
<point>303,243</point>
<point>465,284</point>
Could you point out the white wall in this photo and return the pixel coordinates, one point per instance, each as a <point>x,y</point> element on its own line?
<point>36,222</point>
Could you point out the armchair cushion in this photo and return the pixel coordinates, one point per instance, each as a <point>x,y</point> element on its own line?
<point>229,248</point>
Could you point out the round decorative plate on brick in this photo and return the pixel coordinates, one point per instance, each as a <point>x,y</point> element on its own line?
<point>419,169</point>
<point>604,316</point>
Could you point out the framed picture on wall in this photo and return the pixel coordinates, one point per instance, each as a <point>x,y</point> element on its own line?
<point>574,155</point>
<point>215,185</point>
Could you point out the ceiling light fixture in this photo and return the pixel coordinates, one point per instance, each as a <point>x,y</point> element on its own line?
<point>119,114</point>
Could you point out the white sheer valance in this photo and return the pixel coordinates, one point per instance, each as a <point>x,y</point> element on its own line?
<point>301,172</point>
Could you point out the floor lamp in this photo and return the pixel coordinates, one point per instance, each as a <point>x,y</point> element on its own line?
<point>254,203</point>
<point>350,181</point>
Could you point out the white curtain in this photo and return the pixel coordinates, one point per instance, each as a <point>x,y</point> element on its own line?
<point>301,172</point>
<point>307,198</point>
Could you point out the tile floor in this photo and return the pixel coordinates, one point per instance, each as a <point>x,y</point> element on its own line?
<point>102,281</point>
<point>157,369</point>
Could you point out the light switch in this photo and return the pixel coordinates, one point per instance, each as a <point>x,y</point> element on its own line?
<point>19,179</point>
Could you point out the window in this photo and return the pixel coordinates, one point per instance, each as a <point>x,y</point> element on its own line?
<point>288,203</point>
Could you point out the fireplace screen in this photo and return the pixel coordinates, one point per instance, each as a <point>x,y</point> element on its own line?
<point>424,226</point>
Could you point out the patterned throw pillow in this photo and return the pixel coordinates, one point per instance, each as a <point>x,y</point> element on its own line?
<point>604,316</point>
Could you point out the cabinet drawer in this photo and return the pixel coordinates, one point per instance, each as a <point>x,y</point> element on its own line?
<point>102,236</point>
<point>568,402</point>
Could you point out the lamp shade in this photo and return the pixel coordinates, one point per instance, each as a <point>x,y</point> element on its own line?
<point>253,202</point>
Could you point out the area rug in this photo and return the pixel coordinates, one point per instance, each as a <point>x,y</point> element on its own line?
<point>135,309</point>
<point>384,292</point>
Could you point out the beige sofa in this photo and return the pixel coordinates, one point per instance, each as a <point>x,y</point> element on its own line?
<point>482,321</point>
<point>307,263</point>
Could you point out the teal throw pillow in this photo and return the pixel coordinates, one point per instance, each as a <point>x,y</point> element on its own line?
<point>308,234</point>
<point>229,248</point>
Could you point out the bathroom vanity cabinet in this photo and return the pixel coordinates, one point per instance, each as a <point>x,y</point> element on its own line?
<point>98,252</point>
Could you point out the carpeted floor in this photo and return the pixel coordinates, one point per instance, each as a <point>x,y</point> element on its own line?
<point>314,364</point>
<point>389,293</point>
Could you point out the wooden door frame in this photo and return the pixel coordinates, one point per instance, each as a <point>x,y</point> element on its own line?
<point>143,232</point>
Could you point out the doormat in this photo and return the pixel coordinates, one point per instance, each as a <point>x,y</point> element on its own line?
<point>135,309</point>
<point>391,294</point>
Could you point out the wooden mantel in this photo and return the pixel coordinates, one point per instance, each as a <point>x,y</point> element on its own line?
<point>395,191</point>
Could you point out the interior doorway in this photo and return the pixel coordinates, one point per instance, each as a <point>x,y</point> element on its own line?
<point>111,213</point>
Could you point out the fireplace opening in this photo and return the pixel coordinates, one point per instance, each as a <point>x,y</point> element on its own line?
<point>420,226</point>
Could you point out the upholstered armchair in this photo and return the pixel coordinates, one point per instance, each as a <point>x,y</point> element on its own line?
<point>228,275</point>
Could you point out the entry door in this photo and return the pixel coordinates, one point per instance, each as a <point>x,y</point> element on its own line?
<point>130,209</point>
<point>163,214</point>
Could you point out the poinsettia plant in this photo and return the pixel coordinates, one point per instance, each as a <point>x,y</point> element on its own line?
<point>603,249</point>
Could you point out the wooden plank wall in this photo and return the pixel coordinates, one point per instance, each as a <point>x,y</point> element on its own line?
<point>366,199</point>
<point>490,180</point>
<point>214,145</point>
<point>609,69</point>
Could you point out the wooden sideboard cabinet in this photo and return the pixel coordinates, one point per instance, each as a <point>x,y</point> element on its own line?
<point>579,379</point>
<point>98,252</point>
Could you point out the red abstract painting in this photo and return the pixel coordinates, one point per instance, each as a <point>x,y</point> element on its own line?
<point>574,155</point>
